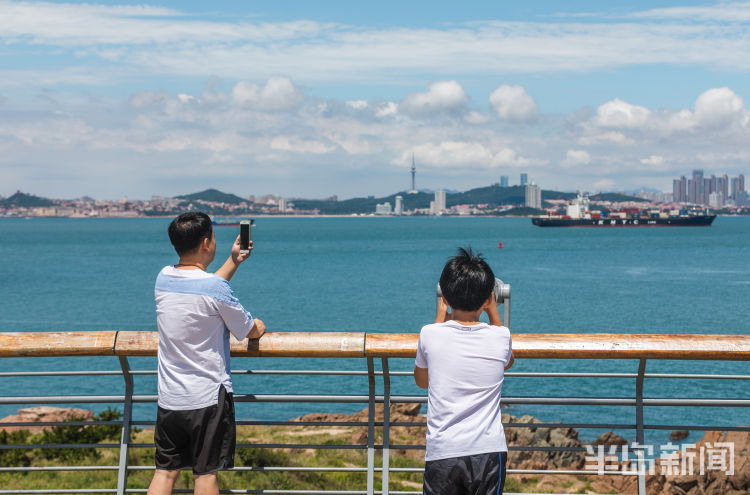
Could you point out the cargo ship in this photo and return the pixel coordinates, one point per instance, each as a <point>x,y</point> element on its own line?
<point>578,214</point>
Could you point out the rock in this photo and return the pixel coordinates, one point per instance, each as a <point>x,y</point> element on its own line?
<point>44,414</point>
<point>678,435</point>
<point>610,438</point>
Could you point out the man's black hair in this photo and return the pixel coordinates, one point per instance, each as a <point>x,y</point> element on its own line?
<point>467,280</point>
<point>188,230</point>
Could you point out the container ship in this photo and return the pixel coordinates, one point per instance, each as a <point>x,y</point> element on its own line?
<point>578,214</point>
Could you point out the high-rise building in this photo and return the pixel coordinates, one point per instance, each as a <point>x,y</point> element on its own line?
<point>679,190</point>
<point>533,196</point>
<point>282,205</point>
<point>383,209</point>
<point>524,179</point>
<point>697,188</point>
<point>399,208</point>
<point>503,181</point>
<point>440,200</point>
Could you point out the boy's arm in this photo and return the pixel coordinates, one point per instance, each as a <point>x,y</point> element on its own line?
<point>233,262</point>
<point>442,311</point>
<point>493,314</point>
<point>421,378</point>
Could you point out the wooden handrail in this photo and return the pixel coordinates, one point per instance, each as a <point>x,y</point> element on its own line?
<point>359,344</point>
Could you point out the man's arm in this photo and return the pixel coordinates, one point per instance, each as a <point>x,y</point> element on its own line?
<point>233,262</point>
<point>421,378</point>
<point>259,328</point>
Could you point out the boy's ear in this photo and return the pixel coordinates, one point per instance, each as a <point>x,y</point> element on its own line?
<point>489,302</point>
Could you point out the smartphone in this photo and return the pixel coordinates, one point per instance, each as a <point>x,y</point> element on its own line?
<point>245,236</point>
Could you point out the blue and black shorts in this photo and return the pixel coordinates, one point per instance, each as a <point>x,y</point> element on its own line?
<point>202,439</point>
<point>466,475</point>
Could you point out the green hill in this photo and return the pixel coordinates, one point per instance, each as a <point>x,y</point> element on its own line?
<point>213,196</point>
<point>615,197</point>
<point>25,201</point>
<point>493,195</point>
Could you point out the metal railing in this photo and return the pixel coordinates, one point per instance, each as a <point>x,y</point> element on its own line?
<point>376,349</point>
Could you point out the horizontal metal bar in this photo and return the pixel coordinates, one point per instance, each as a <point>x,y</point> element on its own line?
<point>62,490</point>
<point>260,492</point>
<point>57,468</point>
<point>14,446</point>
<point>691,376</point>
<point>59,423</point>
<point>276,468</point>
<point>531,374</point>
<point>17,374</point>
<point>302,372</point>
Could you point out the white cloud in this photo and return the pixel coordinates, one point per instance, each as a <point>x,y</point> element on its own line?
<point>508,157</point>
<point>297,145</point>
<point>440,97</point>
<point>358,104</point>
<point>386,109</point>
<point>476,118</point>
<point>604,184</point>
<point>619,114</point>
<point>279,93</point>
<point>513,103</point>
<point>719,107</point>
<point>576,157</point>
<point>654,160</point>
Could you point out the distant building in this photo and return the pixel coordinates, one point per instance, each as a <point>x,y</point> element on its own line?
<point>679,190</point>
<point>399,208</point>
<point>533,196</point>
<point>524,179</point>
<point>413,189</point>
<point>503,181</point>
<point>383,209</point>
<point>440,200</point>
<point>282,205</point>
<point>716,200</point>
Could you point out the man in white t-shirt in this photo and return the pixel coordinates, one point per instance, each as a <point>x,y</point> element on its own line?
<point>461,361</point>
<point>195,312</point>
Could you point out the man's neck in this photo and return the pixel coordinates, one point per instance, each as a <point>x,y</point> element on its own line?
<point>191,264</point>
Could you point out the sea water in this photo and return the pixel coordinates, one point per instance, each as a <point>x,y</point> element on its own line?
<point>379,275</point>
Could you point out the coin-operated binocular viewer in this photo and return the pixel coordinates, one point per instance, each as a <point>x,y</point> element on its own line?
<point>502,296</point>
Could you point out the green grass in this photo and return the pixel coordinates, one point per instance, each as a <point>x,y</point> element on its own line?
<point>254,457</point>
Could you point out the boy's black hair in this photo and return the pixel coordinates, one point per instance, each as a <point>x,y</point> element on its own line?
<point>467,280</point>
<point>188,230</point>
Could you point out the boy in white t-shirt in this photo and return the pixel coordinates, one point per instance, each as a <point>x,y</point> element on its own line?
<point>461,361</point>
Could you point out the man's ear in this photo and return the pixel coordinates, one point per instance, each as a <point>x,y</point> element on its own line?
<point>206,244</point>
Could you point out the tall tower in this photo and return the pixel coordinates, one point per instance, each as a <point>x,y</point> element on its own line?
<point>413,174</point>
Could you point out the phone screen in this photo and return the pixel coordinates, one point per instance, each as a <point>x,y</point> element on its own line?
<point>244,235</point>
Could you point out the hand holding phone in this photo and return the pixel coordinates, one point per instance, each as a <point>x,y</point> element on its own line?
<point>245,236</point>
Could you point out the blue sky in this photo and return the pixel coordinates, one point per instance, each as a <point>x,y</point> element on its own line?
<point>319,98</point>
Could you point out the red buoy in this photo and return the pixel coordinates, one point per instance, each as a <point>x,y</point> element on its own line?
<point>499,244</point>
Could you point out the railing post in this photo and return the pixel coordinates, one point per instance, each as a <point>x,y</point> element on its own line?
<point>371,428</point>
<point>386,424</point>
<point>122,471</point>
<point>639,431</point>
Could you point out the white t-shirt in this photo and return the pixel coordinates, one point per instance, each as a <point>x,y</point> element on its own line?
<point>195,311</point>
<point>465,365</point>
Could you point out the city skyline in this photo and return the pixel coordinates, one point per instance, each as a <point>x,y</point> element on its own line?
<point>305,100</point>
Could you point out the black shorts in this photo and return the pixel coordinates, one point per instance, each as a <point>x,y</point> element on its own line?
<point>470,475</point>
<point>202,439</point>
